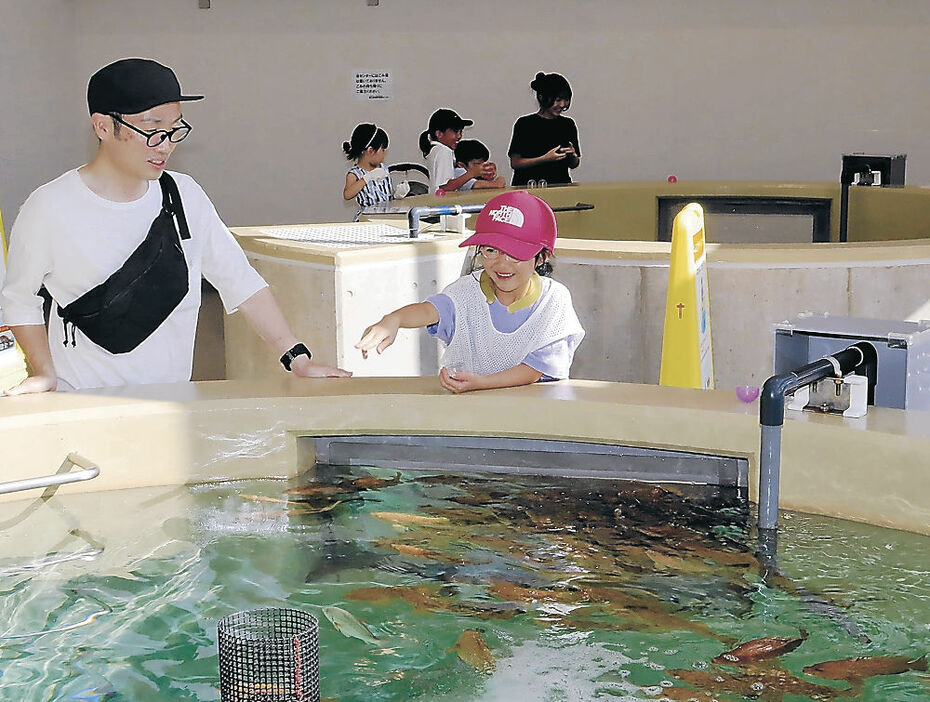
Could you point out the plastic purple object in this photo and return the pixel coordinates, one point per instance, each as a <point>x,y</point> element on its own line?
<point>747,393</point>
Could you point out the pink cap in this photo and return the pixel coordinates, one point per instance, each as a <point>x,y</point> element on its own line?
<point>517,223</point>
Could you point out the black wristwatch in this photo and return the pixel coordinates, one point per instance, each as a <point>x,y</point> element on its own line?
<point>292,353</point>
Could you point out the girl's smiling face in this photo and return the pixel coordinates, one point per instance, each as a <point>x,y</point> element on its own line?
<point>509,276</point>
<point>450,137</point>
<point>559,105</point>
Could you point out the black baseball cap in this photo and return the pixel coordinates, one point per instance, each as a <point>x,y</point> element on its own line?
<point>443,119</point>
<point>133,85</point>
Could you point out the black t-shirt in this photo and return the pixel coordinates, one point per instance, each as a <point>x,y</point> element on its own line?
<point>534,136</point>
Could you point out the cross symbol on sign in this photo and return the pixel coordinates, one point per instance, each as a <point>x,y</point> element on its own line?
<point>680,307</point>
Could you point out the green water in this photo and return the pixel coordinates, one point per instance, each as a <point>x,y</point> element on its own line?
<point>580,590</point>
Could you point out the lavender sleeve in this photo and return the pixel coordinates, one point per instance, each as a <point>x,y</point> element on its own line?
<point>554,360</point>
<point>445,327</point>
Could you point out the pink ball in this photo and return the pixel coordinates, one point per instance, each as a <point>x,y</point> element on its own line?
<point>747,393</point>
<point>440,193</point>
<point>672,179</point>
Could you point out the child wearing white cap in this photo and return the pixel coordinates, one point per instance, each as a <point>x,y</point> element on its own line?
<point>507,325</point>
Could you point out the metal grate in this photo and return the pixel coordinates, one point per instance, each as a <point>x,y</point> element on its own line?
<point>343,236</point>
<point>269,655</point>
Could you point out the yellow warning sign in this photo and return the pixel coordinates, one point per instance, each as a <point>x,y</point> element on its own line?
<point>687,354</point>
<point>12,363</point>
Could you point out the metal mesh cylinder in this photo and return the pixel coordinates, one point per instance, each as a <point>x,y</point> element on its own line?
<point>269,655</point>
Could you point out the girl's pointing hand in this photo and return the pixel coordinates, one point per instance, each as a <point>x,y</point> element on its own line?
<point>378,336</point>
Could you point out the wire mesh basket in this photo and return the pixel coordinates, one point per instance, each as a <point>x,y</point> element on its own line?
<point>269,655</point>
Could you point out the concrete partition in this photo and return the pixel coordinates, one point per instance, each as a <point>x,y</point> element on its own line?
<point>619,291</point>
<point>332,290</point>
<point>618,288</point>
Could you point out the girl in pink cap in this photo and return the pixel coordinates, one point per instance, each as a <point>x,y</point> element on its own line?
<point>507,323</point>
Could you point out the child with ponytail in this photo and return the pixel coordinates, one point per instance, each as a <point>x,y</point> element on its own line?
<point>438,144</point>
<point>368,181</point>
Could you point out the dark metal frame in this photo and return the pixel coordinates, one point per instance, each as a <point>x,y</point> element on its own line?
<point>479,454</point>
<point>817,207</point>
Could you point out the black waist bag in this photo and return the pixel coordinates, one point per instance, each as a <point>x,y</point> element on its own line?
<point>124,310</point>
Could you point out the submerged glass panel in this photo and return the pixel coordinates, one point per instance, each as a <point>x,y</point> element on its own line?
<point>482,587</point>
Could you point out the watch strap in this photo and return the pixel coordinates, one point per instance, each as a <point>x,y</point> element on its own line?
<point>292,353</point>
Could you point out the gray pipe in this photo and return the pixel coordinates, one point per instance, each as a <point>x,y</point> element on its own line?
<point>772,415</point>
<point>416,213</point>
<point>769,474</point>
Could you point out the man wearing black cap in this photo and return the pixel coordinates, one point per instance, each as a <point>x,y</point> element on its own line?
<point>121,246</point>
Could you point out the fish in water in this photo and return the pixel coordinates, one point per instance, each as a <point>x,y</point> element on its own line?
<point>473,649</point>
<point>760,649</point>
<point>297,511</point>
<point>420,598</point>
<point>517,593</point>
<point>764,684</point>
<point>370,482</point>
<point>416,551</point>
<point>645,612</point>
<point>349,625</point>
<point>317,490</point>
<point>424,599</point>
<point>665,562</point>
<point>858,668</point>
<point>263,498</point>
<point>409,519</point>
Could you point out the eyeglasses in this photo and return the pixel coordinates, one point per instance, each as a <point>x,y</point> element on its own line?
<point>489,253</point>
<point>158,136</point>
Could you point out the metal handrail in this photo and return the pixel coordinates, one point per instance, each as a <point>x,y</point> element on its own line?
<point>62,477</point>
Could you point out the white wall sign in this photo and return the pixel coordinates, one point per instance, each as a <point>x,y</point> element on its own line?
<point>373,85</point>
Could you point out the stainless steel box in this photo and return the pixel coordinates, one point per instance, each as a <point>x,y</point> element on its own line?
<point>903,352</point>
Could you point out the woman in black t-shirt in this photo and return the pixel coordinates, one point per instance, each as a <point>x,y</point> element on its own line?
<point>545,145</point>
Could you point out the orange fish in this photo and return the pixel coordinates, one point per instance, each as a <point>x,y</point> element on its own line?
<point>767,684</point>
<point>417,551</point>
<point>760,649</point>
<point>424,599</point>
<point>473,649</point>
<point>666,562</point>
<point>645,612</point>
<point>370,482</point>
<point>420,598</point>
<point>516,593</point>
<point>858,668</point>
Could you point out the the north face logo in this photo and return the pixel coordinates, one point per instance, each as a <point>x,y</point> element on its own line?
<point>507,215</point>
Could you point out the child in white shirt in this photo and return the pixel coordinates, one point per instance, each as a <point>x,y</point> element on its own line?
<point>438,144</point>
<point>508,325</point>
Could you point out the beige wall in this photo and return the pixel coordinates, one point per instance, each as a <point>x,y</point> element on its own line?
<point>38,97</point>
<point>728,89</point>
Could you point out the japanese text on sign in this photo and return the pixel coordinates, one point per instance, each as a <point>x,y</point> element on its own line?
<point>373,85</point>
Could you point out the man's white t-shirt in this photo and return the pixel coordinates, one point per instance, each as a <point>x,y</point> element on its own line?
<point>69,239</point>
